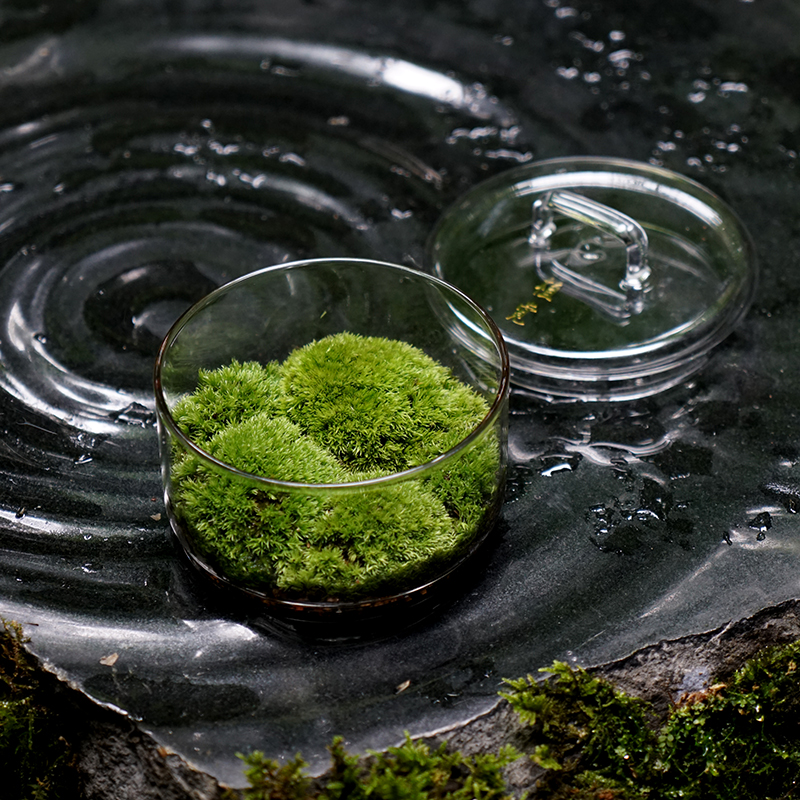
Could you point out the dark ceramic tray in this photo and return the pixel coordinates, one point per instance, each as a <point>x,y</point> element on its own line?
<point>146,158</point>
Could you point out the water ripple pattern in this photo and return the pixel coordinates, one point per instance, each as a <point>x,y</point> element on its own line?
<point>131,196</point>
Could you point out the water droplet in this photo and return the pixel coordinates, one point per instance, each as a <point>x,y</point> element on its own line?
<point>223,149</point>
<point>186,149</point>
<point>215,177</point>
<point>761,522</point>
<point>733,86</point>
<point>562,467</point>
<point>135,414</point>
<point>285,72</point>
<point>292,158</point>
<point>622,58</point>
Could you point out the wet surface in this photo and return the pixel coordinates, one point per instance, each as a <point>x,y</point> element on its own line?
<point>145,158</point>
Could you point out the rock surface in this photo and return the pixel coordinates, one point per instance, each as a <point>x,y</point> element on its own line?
<point>661,674</point>
<point>118,761</point>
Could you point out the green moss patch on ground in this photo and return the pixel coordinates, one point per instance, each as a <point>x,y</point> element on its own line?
<point>410,771</point>
<point>738,739</point>
<point>36,753</point>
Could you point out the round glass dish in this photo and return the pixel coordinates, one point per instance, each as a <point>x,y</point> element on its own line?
<point>296,542</point>
<point>609,279</point>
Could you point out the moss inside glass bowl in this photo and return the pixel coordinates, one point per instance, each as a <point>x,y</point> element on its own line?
<point>342,409</point>
<point>333,438</point>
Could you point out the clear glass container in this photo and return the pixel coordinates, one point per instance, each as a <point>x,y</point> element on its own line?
<point>609,279</point>
<point>253,534</point>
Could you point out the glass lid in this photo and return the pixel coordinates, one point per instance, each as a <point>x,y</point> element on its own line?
<point>610,279</point>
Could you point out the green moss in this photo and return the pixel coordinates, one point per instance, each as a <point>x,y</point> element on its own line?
<point>373,541</point>
<point>341,409</point>
<point>228,395</point>
<point>411,771</point>
<point>587,734</point>
<point>36,758</point>
<point>378,405</point>
<point>738,740</point>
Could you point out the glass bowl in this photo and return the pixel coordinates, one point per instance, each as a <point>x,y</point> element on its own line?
<point>333,438</point>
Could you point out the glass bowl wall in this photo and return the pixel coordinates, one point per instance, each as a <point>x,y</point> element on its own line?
<point>264,317</point>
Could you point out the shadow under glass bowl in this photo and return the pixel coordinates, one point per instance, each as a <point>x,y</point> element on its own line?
<point>360,550</point>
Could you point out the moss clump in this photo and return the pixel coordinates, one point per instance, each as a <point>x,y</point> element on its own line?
<point>339,410</point>
<point>228,395</point>
<point>592,739</point>
<point>738,740</point>
<point>412,770</point>
<point>378,405</point>
<point>35,757</point>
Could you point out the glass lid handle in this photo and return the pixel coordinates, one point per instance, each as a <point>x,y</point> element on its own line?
<point>619,305</point>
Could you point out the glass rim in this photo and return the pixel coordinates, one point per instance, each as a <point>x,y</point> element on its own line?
<point>165,415</point>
